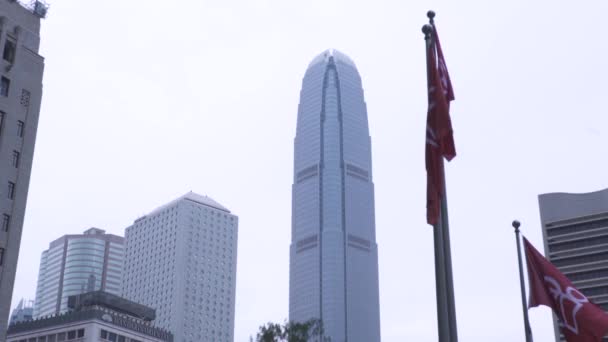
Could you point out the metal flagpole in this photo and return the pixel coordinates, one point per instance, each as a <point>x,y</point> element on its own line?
<point>443,325</point>
<point>528,331</point>
<point>445,230</point>
<point>446,247</point>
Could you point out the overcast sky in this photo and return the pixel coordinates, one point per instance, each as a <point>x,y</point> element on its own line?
<point>144,101</point>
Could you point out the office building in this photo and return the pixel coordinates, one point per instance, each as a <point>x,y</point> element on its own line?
<point>21,69</point>
<point>75,264</point>
<point>181,260</point>
<point>575,232</point>
<point>23,312</point>
<point>333,252</point>
<point>93,317</point>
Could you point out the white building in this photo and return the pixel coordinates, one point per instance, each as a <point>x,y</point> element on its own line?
<point>334,256</point>
<point>75,264</point>
<point>93,317</point>
<point>21,69</point>
<point>181,260</point>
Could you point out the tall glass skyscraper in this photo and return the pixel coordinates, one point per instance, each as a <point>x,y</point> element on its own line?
<point>333,252</point>
<point>76,264</point>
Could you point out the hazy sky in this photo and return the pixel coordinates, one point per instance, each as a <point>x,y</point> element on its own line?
<point>144,101</point>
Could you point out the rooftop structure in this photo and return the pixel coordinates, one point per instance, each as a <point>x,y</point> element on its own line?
<point>95,316</point>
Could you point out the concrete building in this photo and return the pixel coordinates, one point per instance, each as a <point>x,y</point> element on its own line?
<point>333,252</point>
<point>93,317</point>
<point>181,260</point>
<point>23,312</point>
<point>575,232</point>
<point>21,71</point>
<point>75,264</point>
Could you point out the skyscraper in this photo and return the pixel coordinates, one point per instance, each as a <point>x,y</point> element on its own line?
<point>76,264</point>
<point>333,252</point>
<point>181,261</point>
<point>23,312</point>
<point>21,71</point>
<point>575,232</point>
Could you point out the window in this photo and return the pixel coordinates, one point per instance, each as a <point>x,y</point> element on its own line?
<point>4,85</point>
<point>104,334</point>
<point>2,115</point>
<point>11,190</point>
<point>6,220</point>
<point>61,337</point>
<point>50,338</point>
<point>15,159</point>
<point>42,339</point>
<point>72,335</point>
<point>121,338</point>
<point>9,50</point>
<point>1,256</point>
<point>25,98</point>
<point>20,128</point>
<point>112,337</point>
<point>80,332</point>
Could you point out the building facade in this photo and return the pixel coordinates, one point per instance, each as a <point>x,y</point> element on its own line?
<point>23,312</point>
<point>181,260</point>
<point>75,264</point>
<point>93,317</point>
<point>21,69</point>
<point>333,252</point>
<point>575,232</point>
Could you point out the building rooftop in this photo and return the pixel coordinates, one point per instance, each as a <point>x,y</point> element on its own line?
<point>194,197</point>
<point>116,303</point>
<point>99,306</point>
<point>337,55</point>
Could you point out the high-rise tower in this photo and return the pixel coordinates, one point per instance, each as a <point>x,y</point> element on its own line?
<point>181,260</point>
<point>333,252</point>
<point>76,264</point>
<point>21,69</point>
<point>575,232</point>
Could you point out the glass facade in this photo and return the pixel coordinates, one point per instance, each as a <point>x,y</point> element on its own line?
<point>333,254</point>
<point>76,264</point>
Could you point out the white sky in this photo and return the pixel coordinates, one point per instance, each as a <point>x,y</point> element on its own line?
<point>144,101</point>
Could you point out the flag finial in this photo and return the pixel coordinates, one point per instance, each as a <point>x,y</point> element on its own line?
<point>427,29</point>
<point>516,225</point>
<point>431,15</point>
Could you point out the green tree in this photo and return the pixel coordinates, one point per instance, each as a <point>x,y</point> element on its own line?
<point>311,330</point>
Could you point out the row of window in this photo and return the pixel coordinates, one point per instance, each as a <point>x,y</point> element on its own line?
<point>577,227</point>
<point>114,337</point>
<point>62,336</point>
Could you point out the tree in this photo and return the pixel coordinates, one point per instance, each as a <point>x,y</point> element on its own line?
<point>311,330</point>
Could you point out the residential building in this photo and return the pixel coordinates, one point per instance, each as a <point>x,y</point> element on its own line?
<point>575,232</point>
<point>23,312</point>
<point>93,317</point>
<point>21,69</point>
<point>76,264</point>
<point>181,260</point>
<point>333,252</point>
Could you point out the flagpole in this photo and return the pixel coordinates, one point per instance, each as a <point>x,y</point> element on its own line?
<point>443,325</point>
<point>445,230</point>
<point>527,331</point>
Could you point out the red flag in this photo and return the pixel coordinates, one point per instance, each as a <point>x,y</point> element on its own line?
<point>580,319</point>
<point>439,135</point>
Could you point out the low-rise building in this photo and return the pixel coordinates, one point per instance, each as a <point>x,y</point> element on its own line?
<point>93,317</point>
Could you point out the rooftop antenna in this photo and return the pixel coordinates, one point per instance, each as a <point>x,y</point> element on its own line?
<point>39,8</point>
